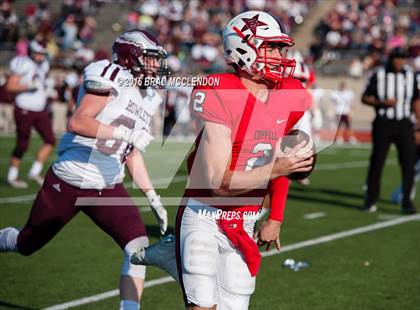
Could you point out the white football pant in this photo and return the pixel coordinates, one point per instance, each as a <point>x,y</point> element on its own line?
<point>213,272</point>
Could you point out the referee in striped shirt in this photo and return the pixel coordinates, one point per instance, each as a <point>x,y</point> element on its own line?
<point>392,90</point>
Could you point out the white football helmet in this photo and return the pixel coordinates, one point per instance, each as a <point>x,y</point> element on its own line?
<point>246,34</point>
<point>38,47</point>
<point>37,51</point>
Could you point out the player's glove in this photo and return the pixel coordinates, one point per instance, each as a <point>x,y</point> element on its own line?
<point>140,139</point>
<point>158,210</point>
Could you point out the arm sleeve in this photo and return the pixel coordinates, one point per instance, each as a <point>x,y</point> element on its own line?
<point>278,189</point>
<point>100,78</point>
<point>206,106</point>
<point>100,88</point>
<point>371,87</point>
<point>416,87</point>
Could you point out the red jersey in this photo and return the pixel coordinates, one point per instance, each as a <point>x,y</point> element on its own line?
<point>255,126</point>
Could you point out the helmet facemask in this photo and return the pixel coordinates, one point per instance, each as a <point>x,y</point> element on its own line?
<point>140,52</point>
<point>274,67</point>
<point>37,51</point>
<point>38,57</point>
<point>249,40</point>
<point>269,67</point>
<point>151,63</point>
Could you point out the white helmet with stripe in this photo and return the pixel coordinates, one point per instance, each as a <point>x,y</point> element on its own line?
<point>246,34</point>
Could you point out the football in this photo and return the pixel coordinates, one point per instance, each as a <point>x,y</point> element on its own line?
<point>293,138</point>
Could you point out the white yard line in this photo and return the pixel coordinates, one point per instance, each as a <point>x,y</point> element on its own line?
<point>106,295</point>
<point>358,153</point>
<point>351,164</point>
<point>16,199</point>
<point>352,146</point>
<point>315,215</point>
<point>30,197</point>
<point>287,248</point>
<point>384,217</point>
<point>343,234</point>
<point>181,178</point>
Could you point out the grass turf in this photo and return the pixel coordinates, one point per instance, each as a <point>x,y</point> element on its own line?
<point>82,261</point>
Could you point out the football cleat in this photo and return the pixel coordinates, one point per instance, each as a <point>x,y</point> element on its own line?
<point>160,255</point>
<point>339,141</point>
<point>353,141</point>
<point>410,210</point>
<point>304,182</point>
<point>370,208</point>
<point>37,178</point>
<point>16,183</point>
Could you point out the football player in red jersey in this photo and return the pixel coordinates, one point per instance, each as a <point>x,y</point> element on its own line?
<point>235,164</point>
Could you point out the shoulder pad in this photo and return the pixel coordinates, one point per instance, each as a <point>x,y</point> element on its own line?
<point>96,87</point>
<point>20,65</point>
<point>103,76</point>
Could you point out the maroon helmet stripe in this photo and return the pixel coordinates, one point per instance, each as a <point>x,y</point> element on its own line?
<point>105,69</point>
<point>114,74</point>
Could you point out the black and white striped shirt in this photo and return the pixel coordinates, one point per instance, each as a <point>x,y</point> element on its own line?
<point>402,86</point>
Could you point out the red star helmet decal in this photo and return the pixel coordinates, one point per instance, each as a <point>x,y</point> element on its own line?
<point>252,24</point>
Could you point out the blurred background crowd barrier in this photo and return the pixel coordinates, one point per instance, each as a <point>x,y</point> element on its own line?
<point>341,40</point>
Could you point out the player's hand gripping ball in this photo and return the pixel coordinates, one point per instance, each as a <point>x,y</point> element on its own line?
<point>293,138</point>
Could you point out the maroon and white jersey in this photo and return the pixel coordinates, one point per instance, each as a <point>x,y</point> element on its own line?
<point>34,76</point>
<point>97,163</point>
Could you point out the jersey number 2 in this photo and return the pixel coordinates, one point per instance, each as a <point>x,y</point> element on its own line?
<point>198,101</point>
<point>259,161</point>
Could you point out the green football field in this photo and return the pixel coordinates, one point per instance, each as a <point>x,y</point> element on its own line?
<point>356,260</point>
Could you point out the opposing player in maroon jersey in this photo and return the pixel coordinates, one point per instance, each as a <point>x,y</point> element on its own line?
<point>27,80</point>
<point>107,133</point>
